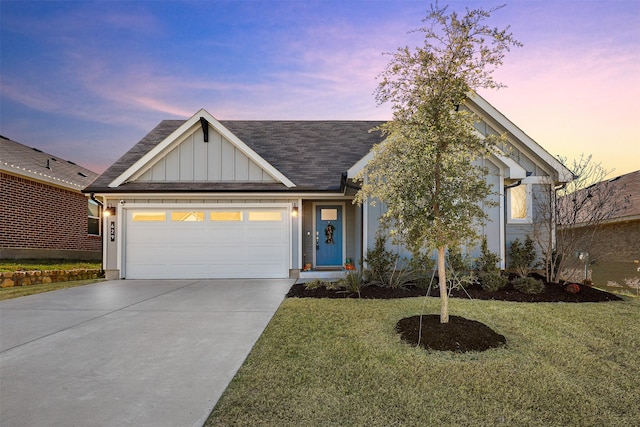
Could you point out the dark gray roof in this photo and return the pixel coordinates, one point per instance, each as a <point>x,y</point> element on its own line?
<point>32,163</point>
<point>312,154</point>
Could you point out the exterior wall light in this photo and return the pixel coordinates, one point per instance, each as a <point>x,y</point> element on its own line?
<point>294,211</point>
<point>109,211</point>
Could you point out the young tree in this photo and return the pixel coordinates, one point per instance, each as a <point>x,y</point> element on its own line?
<point>424,172</point>
<point>577,210</point>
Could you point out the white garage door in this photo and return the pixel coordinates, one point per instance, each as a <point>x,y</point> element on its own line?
<point>206,243</point>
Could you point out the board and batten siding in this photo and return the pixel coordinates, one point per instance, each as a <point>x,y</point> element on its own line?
<point>215,161</point>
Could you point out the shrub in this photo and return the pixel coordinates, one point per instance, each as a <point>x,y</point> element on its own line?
<point>314,284</point>
<point>352,281</point>
<point>493,281</point>
<point>528,285</point>
<point>487,261</point>
<point>381,263</point>
<point>523,256</point>
<point>421,266</point>
<point>319,283</point>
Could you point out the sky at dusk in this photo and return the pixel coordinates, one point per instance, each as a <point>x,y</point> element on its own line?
<point>86,80</point>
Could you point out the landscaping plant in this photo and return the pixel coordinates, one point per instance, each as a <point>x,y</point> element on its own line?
<point>487,261</point>
<point>523,256</point>
<point>426,171</point>
<point>352,281</point>
<point>528,285</point>
<point>493,281</point>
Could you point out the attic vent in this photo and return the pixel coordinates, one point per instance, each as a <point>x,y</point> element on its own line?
<point>54,159</point>
<point>48,165</point>
<point>35,149</point>
<point>82,175</point>
<point>70,162</point>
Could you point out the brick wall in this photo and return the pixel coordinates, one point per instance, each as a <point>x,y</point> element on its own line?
<point>618,242</point>
<point>36,215</point>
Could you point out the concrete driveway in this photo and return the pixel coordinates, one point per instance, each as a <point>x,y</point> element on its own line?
<point>129,352</point>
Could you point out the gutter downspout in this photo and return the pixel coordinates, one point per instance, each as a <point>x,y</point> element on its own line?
<point>93,197</point>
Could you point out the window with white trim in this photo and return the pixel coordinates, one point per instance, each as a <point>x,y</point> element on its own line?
<point>93,228</point>
<point>519,203</point>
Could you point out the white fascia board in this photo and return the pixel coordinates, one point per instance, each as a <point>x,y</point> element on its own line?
<point>230,195</point>
<point>195,119</point>
<point>563,174</point>
<point>515,171</point>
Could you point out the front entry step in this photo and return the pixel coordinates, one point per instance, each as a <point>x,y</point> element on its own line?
<point>319,274</point>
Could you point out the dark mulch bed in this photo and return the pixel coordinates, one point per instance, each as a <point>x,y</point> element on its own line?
<point>553,292</point>
<point>459,334</point>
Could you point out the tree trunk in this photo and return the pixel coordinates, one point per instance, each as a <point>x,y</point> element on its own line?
<point>442,279</point>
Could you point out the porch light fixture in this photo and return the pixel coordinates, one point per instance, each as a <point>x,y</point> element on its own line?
<point>109,211</point>
<point>294,211</point>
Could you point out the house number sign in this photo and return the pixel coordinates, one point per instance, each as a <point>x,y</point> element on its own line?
<point>112,231</point>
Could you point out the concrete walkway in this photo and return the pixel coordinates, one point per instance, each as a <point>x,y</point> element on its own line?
<point>130,352</point>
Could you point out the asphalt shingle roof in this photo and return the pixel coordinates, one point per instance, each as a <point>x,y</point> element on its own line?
<point>19,159</point>
<point>312,154</point>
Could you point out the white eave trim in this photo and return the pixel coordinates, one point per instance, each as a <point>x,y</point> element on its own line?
<point>563,174</point>
<point>515,171</point>
<point>195,119</point>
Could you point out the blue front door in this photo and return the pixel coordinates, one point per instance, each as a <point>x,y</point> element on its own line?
<point>328,235</point>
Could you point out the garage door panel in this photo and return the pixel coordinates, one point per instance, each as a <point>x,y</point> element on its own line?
<point>208,248</point>
<point>229,235</point>
<point>266,235</point>
<point>190,234</point>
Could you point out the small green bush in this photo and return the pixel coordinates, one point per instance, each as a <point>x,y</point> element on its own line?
<point>487,261</point>
<point>421,266</point>
<point>352,281</point>
<point>381,263</point>
<point>523,256</point>
<point>314,284</point>
<point>528,285</point>
<point>493,281</point>
<point>318,283</point>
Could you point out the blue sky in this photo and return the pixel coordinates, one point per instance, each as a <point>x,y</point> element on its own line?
<point>87,80</point>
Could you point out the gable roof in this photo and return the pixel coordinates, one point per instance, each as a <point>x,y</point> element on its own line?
<point>201,119</point>
<point>312,155</point>
<point>488,112</point>
<point>627,185</point>
<point>32,163</point>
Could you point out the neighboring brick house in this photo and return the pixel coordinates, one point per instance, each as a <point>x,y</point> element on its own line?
<point>43,212</point>
<point>618,239</point>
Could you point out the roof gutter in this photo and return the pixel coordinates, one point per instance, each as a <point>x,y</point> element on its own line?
<point>506,187</point>
<point>344,183</point>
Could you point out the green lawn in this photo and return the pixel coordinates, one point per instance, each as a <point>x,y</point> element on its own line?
<point>340,363</point>
<point>52,264</point>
